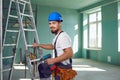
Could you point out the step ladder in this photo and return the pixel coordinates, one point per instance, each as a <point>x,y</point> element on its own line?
<point>29,35</point>
<point>9,45</point>
<point>24,17</point>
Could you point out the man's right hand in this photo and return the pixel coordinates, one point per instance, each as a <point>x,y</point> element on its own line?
<point>35,45</point>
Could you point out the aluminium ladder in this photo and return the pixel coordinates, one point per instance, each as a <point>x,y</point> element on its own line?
<point>24,10</point>
<point>1,35</point>
<point>29,34</point>
<point>10,43</point>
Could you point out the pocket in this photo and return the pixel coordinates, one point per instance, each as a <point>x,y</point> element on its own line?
<point>68,74</point>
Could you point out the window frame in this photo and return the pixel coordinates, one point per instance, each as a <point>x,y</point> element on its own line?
<point>97,22</point>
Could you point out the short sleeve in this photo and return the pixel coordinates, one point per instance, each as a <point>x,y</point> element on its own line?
<point>64,41</point>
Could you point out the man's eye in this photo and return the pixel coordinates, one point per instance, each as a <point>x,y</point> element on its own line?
<point>53,23</point>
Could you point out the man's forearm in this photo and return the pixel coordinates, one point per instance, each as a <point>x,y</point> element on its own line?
<point>46,46</point>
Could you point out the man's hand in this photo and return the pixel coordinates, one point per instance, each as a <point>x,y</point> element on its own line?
<point>50,61</point>
<point>35,45</point>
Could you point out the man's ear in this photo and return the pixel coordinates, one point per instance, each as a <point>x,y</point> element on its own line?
<point>60,23</point>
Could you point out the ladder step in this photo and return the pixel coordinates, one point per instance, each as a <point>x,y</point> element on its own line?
<point>8,57</point>
<point>29,45</point>
<point>13,16</point>
<point>21,3</point>
<point>12,30</point>
<point>9,44</point>
<point>18,2</point>
<point>25,1</point>
<point>35,60</point>
<point>6,70</point>
<point>26,15</point>
<point>29,30</point>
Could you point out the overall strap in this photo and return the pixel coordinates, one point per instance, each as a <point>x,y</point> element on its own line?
<point>55,51</point>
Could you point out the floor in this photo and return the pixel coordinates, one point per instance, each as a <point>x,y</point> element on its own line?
<point>93,70</point>
<point>86,69</point>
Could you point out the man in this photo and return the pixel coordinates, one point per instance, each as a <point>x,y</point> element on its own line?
<point>61,46</point>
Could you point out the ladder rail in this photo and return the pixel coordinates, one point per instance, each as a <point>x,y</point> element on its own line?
<point>18,36</point>
<point>30,66</point>
<point>23,10</point>
<point>11,45</point>
<point>4,38</point>
<point>33,23</point>
<point>20,19</point>
<point>17,40</point>
<point>20,23</point>
<point>1,39</point>
<point>7,21</point>
<point>34,27</point>
<point>14,52</point>
<point>35,37</point>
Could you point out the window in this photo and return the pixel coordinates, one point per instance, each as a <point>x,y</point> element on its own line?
<point>92,30</point>
<point>94,21</point>
<point>119,26</point>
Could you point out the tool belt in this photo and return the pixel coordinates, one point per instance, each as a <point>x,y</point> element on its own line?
<point>64,74</point>
<point>32,56</point>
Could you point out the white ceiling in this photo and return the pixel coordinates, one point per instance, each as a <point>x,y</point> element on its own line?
<point>71,4</point>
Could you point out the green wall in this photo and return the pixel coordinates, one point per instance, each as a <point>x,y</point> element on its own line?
<point>110,33</point>
<point>109,37</point>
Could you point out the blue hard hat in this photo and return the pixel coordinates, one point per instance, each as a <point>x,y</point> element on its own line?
<point>55,16</point>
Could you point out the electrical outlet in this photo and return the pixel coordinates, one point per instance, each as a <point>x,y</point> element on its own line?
<point>109,58</point>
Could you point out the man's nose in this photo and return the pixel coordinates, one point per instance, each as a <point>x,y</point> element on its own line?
<point>51,25</point>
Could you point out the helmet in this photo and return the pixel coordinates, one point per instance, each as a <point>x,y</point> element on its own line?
<point>55,16</point>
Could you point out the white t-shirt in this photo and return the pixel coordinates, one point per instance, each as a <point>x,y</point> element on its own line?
<point>63,41</point>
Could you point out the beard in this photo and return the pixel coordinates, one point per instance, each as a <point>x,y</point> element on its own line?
<point>54,32</point>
